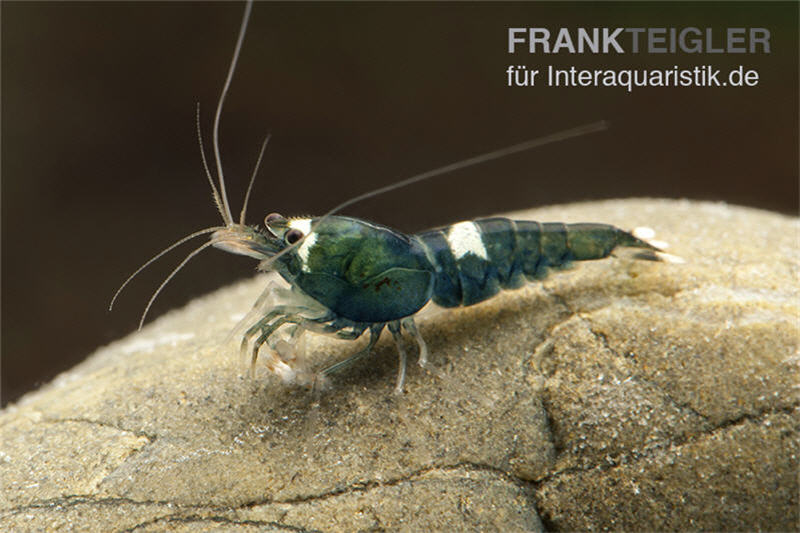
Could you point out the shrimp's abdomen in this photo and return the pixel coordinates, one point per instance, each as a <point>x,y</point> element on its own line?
<point>477,259</point>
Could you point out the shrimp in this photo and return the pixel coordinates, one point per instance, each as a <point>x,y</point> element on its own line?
<point>349,276</point>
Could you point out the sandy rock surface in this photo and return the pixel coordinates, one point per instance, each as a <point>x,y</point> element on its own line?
<point>619,395</point>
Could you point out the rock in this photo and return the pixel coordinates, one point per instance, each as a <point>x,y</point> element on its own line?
<point>619,395</point>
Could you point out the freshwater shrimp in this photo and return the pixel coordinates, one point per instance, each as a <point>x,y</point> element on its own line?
<point>348,276</point>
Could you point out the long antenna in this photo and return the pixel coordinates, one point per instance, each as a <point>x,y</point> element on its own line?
<point>253,179</point>
<point>464,163</point>
<point>158,255</point>
<point>227,217</point>
<point>214,191</point>
<point>172,274</point>
<point>220,194</point>
<point>475,160</point>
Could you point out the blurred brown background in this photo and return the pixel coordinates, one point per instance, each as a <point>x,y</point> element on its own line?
<point>100,166</point>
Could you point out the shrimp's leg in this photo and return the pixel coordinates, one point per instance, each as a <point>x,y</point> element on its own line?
<point>263,323</point>
<point>394,328</point>
<point>278,365</point>
<point>272,296</point>
<point>411,327</point>
<point>374,335</point>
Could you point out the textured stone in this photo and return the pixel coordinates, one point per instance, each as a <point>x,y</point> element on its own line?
<point>619,395</point>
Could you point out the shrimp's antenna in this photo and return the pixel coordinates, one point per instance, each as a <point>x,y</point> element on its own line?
<point>158,255</point>
<point>253,179</point>
<point>215,192</point>
<point>472,161</point>
<point>172,274</point>
<point>219,193</point>
<point>458,165</point>
<point>226,215</point>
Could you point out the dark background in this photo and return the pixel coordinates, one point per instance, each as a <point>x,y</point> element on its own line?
<point>100,165</point>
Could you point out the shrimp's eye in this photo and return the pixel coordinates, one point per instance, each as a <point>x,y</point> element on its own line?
<point>272,217</point>
<point>293,235</point>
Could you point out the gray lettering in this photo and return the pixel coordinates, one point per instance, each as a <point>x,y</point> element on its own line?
<point>761,36</point>
<point>696,42</point>
<point>736,36</point>
<point>656,36</point>
<point>710,43</point>
<point>611,39</point>
<point>540,36</point>
<point>635,38</point>
<point>563,40</point>
<point>593,42</point>
<point>513,39</point>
